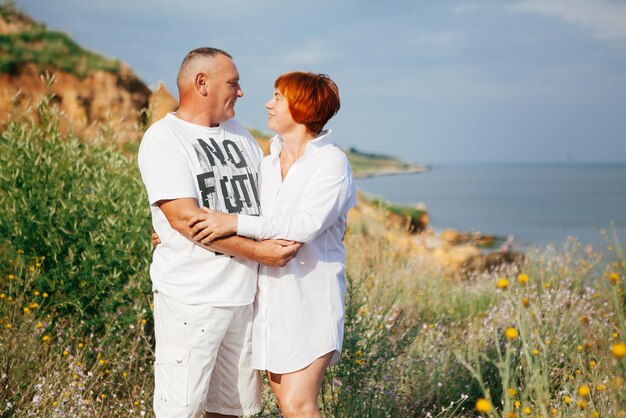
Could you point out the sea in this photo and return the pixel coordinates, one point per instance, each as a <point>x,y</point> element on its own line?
<point>531,205</point>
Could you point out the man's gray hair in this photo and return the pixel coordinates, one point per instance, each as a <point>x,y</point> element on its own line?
<point>198,52</point>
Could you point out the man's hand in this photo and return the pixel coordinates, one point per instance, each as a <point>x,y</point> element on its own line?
<point>155,240</point>
<point>210,225</point>
<point>277,253</point>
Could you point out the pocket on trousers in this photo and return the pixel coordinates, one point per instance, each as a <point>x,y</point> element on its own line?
<point>171,375</point>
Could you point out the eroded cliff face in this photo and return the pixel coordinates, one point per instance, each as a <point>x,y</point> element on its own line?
<point>119,103</point>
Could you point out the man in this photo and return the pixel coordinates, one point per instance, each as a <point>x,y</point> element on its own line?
<point>200,156</point>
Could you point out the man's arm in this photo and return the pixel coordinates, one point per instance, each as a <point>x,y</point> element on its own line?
<point>275,253</point>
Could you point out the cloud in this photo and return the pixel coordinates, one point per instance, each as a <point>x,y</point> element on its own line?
<point>605,18</point>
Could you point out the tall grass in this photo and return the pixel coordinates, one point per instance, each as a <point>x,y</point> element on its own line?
<point>76,326</point>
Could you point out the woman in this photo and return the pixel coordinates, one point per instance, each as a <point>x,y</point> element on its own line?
<point>306,190</point>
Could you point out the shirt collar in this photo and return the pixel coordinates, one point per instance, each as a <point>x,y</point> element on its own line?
<point>325,138</point>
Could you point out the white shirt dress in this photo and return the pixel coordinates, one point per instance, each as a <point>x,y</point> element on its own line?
<point>299,308</point>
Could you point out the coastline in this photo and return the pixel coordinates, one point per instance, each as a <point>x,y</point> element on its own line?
<point>391,172</point>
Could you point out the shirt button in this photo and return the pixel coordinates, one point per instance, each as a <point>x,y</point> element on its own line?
<point>179,360</point>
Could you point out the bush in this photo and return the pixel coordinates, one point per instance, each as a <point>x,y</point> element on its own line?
<point>79,209</point>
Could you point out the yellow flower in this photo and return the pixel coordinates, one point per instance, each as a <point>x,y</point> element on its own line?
<point>2,296</point>
<point>124,374</point>
<point>36,292</point>
<point>46,337</point>
<point>45,295</point>
<point>359,353</point>
<point>80,345</point>
<point>54,403</point>
<point>525,301</point>
<point>582,404</point>
<point>512,392</point>
<point>101,362</point>
<point>103,396</point>
<point>618,350</point>
<point>614,278</point>
<point>554,411</point>
<point>522,278</point>
<point>567,400</point>
<point>8,325</point>
<point>511,415</point>
<point>536,352</point>
<point>511,333</point>
<point>517,404</point>
<point>528,411</point>
<point>615,335</point>
<point>592,364</point>
<point>601,387</point>
<point>39,325</point>
<point>26,311</point>
<point>358,362</point>
<point>502,283</point>
<point>65,352</point>
<point>136,403</point>
<point>483,405</point>
<point>579,348</point>
<point>144,322</point>
<point>548,341</point>
<point>583,391</point>
<point>11,277</point>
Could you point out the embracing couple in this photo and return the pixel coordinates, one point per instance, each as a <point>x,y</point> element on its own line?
<point>248,274</point>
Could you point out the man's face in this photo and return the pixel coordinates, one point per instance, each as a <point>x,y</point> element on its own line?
<point>223,90</point>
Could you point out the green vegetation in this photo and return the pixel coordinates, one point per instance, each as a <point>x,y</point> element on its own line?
<point>46,49</point>
<point>76,326</point>
<point>365,164</point>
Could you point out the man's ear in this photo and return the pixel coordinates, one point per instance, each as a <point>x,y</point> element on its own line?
<point>200,82</point>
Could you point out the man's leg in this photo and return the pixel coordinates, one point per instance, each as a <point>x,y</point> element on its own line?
<point>187,344</point>
<point>235,387</point>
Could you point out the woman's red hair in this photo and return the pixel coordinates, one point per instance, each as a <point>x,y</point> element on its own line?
<point>313,98</point>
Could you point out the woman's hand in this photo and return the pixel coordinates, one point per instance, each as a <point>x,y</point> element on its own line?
<point>211,225</point>
<point>155,240</point>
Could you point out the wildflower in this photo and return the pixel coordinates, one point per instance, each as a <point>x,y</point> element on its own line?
<point>525,301</point>
<point>26,310</point>
<point>36,292</point>
<point>2,296</point>
<point>522,278</point>
<point>512,392</point>
<point>614,278</point>
<point>359,353</point>
<point>583,391</point>
<point>80,345</point>
<point>511,415</point>
<point>483,405</point>
<point>615,335</point>
<point>8,325</point>
<point>45,295</point>
<point>592,364</point>
<point>54,403</point>
<point>582,404</point>
<point>548,341</point>
<point>517,404</point>
<point>554,411</point>
<point>11,277</point>
<point>65,352</point>
<point>124,374</point>
<point>101,362</point>
<point>358,362</point>
<point>596,414</point>
<point>601,387</point>
<point>144,322</point>
<point>39,325</point>
<point>583,319</point>
<point>511,333</point>
<point>34,305</point>
<point>502,283</point>
<point>579,348</point>
<point>103,396</point>
<point>528,411</point>
<point>536,352</point>
<point>618,350</point>
<point>567,400</point>
<point>45,338</point>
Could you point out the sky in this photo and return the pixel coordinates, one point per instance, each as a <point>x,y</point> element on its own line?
<point>431,82</point>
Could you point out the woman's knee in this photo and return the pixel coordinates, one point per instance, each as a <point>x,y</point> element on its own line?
<point>297,405</point>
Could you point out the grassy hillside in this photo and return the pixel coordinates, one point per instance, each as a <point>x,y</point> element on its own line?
<point>35,44</point>
<point>76,323</point>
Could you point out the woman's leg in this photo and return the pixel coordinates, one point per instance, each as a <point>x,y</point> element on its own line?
<point>297,392</point>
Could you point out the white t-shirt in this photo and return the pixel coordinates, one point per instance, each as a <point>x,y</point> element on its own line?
<point>219,167</point>
<point>299,310</point>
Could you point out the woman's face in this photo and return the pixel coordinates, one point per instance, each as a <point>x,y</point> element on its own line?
<point>278,116</point>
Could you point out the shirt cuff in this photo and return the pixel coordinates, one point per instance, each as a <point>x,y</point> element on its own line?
<point>249,226</point>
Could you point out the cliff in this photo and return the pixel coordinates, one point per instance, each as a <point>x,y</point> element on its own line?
<point>93,92</point>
